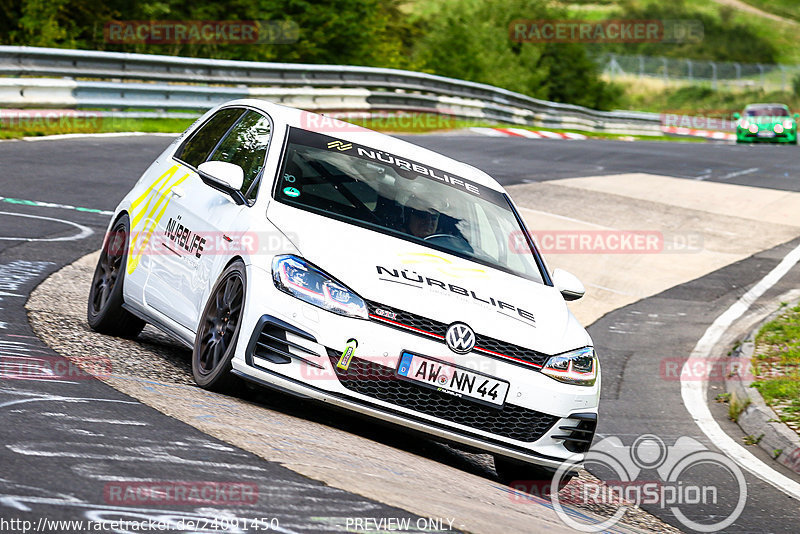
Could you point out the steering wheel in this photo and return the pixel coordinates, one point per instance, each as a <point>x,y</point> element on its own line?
<point>450,241</point>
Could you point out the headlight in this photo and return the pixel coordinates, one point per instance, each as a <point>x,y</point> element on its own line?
<point>577,367</point>
<point>753,128</point>
<point>302,280</point>
<point>744,125</point>
<point>787,124</point>
<point>778,128</point>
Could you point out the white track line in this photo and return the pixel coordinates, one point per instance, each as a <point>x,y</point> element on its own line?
<point>694,391</point>
<point>41,204</point>
<point>97,135</point>
<point>739,173</point>
<point>84,231</point>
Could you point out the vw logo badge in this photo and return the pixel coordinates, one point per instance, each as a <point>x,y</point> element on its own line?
<point>460,338</point>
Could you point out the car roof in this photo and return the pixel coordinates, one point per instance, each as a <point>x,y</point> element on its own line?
<point>761,105</point>
<point>349,132</point>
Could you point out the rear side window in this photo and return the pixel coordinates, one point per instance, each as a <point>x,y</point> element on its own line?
<point>246,146</point>
<point>196,150</point>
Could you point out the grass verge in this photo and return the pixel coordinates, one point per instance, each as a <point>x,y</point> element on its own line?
<point>650,94</point>
<point>776,365</point>
<point>71,125</point>
<point>410,124</point>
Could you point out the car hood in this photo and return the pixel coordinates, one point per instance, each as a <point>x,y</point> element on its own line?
<point>409,277</point>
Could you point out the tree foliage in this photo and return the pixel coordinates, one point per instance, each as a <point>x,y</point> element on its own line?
<point>358,32</point>
<point>723,38</point>
<point>470,39</point>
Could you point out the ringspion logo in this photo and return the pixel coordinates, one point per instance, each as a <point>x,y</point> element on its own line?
<point>704,490</point>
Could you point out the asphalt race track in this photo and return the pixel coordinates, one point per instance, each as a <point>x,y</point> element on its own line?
<point>513,160</point>
<point>65,442</point>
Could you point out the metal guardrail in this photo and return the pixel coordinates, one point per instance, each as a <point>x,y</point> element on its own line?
<point>142,81</point>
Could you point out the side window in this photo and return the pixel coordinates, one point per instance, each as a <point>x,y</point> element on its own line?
<point>246,146</point>
<point>197,148</point>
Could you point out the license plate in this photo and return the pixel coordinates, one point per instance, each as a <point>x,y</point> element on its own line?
<point>452,379</point>
<point>766,134</point>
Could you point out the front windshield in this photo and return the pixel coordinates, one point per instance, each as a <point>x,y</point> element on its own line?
<point>767,111</point>
<point>397,196</point>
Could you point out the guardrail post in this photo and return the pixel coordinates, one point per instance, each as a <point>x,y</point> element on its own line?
<point>713,75</point>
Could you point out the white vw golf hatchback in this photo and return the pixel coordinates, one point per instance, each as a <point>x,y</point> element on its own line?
<point>342,265</point>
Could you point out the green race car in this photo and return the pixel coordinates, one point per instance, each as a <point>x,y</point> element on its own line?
<point>770,123</point>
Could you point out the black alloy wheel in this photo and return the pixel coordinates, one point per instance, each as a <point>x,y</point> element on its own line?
<point>105,313</point>
<point>218,331</point>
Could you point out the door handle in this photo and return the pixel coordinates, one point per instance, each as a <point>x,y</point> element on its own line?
<point>177,191</point>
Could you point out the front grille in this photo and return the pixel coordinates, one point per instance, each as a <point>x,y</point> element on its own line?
<point>416,324</point>
<point>379,382</point>
<point>407,319</point>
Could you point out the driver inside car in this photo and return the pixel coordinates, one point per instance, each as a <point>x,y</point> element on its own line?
<point>421,220</point>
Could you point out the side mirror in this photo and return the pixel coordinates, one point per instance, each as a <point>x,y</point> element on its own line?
<point>225,177</point>
<point>571,288</point>
<point>736,116</point>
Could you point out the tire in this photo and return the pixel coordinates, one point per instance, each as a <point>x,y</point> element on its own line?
<point>533,479</point>
<point>218,331</point>
<point>104,312</point>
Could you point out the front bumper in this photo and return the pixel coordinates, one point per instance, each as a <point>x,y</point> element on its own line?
<point>787,136</point>
<point>294,347</point>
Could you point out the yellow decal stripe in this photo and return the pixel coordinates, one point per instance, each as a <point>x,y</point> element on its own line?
<point>149,194</point>
<point>141,238</point>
